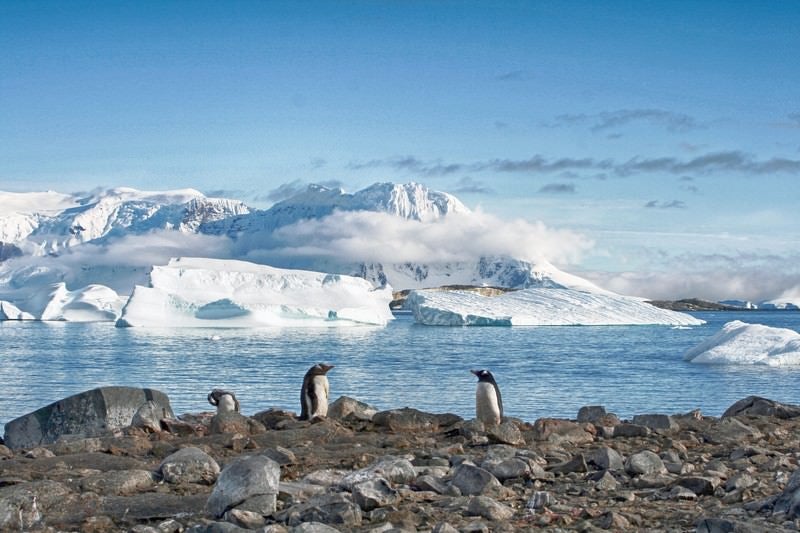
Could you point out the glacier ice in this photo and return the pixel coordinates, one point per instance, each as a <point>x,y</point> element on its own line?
<point>742,343</point>
<point>198,292</point>
<point>92,303</point>
<point>538,307</point>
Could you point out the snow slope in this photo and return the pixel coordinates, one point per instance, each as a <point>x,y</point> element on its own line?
<point>197,292</point>
<point>537,307</point>
<point>92,303</point>
<point>741,343</point>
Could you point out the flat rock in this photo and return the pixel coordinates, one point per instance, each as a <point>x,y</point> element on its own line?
<point>411,420</point>
<point>119,482</point>
<point>233,422</point>
<point>374,493</point>
<point>87,414</point>
<point>505,433</point>
<point>656,421</point>
<point>644,462</point>
<point>559,431</point>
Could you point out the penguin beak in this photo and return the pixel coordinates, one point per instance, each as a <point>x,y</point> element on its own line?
<point>476,372</point>
<point>326,368</point>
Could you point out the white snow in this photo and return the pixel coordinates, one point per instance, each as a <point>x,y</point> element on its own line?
<point>93,303</point>
<point>742,343</point>
<point>197,292</point>
<point>538,307</point>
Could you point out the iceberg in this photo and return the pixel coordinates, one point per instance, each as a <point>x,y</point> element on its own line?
<point>538,307</point>
<point>93,303</point>
<point>742,343</point>
<point>200,292</point>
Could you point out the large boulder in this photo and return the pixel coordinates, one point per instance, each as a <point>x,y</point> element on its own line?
<point>87,414</point>
<point>755,405</point>
<point>243,479</point>
<point>189,465</point>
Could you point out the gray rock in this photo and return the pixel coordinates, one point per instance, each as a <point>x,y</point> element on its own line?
<point>721,525</point>
<point>508,469</point>
<point>189,465</point>
<point>443,527</point>
<point>505,433</point>
<point>591,413</point>
<point>430,483</point>
<point>631,430</point>
<point>489,509</point>
<point>655,421</point>
<point>606,482</point>
<point>297,491</point>
<point>313,527</point>
<point>217,527</point>
<point>411,420</point>
<point>233,422</point>
<point>679,492</point>
<point>326,477</point>
<point>539,500</point>
<point>730,431</point>
<point>25,506</point>
<point>149,506</point>
<point>473,481</point>
<point>243,478</point>
<point>644,462</point>
<point>700,485</point>
<point>280,455</point>
<point>606,458</point>
<point>346,407</point>
<point>394,469</point>
<point>87,414</point>
<point>119,482</point>
<point>245,519</point>
<point>576,464</point>
<point>559,431</point>
<point>755,405</point>
<point>788,502</point>
<point>334,508</point>
<point>742,480</point>
<point>614,520</point>
<point>148,416</point>
<point>374,493</point>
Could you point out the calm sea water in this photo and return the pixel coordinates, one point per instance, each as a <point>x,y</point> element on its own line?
<point>542,371</point>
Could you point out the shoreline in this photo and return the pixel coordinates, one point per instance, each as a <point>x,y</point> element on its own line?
<point>407,470</point>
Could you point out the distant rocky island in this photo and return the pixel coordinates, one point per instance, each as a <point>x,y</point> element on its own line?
<point>696,304</point>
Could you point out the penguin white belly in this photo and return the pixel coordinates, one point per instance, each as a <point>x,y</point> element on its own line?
<point>487,410</point>
<point>226,404</point>
<point>321,388</point>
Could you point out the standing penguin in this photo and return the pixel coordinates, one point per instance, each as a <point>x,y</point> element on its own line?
<point>314,394</point>
<point>224,401</point>
<point>488,402</point>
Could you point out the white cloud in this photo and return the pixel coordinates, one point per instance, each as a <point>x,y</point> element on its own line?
<point>380,237</point>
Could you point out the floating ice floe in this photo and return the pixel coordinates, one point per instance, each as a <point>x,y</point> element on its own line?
<point>538,307</point>
<point>93,303</point>
<point>741,343</point>
<point>195,292</point>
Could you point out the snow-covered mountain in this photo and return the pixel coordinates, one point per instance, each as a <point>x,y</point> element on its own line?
<point>410,201</point>
<point>54,245</point>
<point>46,223</point>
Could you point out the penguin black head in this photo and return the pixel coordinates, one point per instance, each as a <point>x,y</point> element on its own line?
<point>484,375</point>
<point>320,369</point>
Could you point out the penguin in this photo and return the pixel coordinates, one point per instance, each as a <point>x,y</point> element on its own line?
<point>314,394</point>
<point>224,401</point>
<point>488,402</point>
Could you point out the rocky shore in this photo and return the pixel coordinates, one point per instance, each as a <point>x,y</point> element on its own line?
<point>406,470</point>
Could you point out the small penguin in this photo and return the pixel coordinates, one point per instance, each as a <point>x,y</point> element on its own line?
<point>488,402</point>
<point>224,401</point>
<point>314,394</point>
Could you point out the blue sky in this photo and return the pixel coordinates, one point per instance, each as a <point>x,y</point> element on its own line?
<point>666,132</point>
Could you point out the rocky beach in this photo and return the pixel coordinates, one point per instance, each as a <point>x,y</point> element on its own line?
<point>398,470</point>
